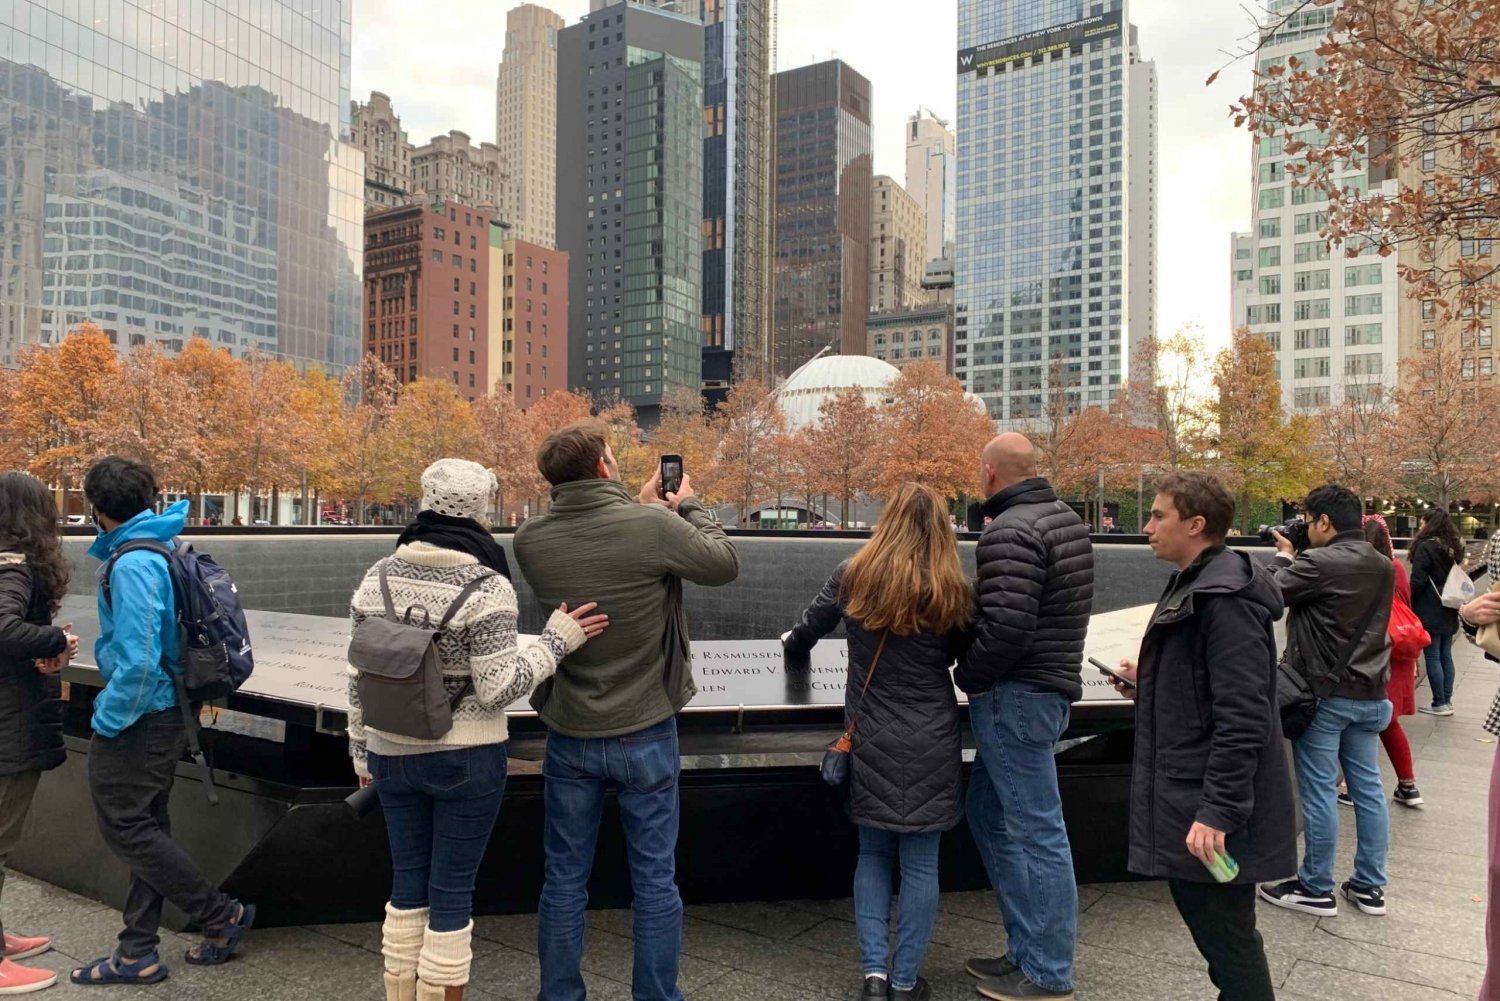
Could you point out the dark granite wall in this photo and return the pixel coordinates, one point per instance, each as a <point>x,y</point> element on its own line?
<point>314,575</point>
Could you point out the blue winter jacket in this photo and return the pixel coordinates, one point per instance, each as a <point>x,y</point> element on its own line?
<point>138,630</point>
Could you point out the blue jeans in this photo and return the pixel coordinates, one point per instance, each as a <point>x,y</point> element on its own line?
<point>440,809</point>
<point>915,914</point>
<point>643,767</point>
<point>1345,732</point>
<point>1440,669</point>
<point>1015,813</point>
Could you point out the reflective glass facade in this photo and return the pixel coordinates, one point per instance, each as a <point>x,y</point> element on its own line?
<point>178,168</point>
<point>1040,295</point>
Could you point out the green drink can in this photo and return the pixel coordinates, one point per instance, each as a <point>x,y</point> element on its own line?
<point>1223,868</point>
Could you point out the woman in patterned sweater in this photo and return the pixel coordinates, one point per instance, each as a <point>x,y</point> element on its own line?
<point>441,797</point>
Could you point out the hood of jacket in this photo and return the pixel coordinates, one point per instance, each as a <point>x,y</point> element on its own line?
<point>1033,491</point>
<point>148,524</point>
<point>1219,571</point>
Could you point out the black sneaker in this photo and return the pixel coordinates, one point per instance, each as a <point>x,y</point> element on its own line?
<point>875,987</point>
<point>1295,897</point>
<point>1015,986</point>
<point>1369,899</point>
<point>983,968</point>
<point>1345,799</point>
<point>920,991</point>
<point>1407,795</point>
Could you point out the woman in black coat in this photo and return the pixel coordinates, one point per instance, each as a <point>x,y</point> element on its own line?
<point>905,603</point>
<point>1434,552</point>
<point>33,580</point>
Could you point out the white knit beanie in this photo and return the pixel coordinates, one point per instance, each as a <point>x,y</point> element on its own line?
<point>458,488</point>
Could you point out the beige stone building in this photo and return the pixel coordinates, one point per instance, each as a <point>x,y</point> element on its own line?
<point>921,333</point>
<point>376,128</point>
<point>526,121</point>
<point>452,168</point>
<point>898,248</point>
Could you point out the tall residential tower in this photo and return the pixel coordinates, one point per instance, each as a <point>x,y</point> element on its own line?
<point>526,122</point>
<point>932,179</point>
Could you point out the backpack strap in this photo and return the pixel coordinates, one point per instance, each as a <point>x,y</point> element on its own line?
<point>453,607</point>
<point>133,546</point>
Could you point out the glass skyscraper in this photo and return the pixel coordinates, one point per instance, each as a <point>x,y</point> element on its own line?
<point>179,168</point>
<point>1045,172</point>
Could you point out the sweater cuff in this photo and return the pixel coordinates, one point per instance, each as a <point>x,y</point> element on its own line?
<point>567,629</point>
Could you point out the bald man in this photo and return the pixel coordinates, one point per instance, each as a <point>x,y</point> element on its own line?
<point>1022,674</point>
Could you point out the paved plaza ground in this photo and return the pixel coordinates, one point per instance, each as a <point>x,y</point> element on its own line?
<point>1132,946</point>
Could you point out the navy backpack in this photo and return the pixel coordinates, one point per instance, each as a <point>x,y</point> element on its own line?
<point>215,639</point>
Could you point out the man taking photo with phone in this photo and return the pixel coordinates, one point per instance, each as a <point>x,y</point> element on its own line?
<point>611,708</point>
<point>1210,791</point>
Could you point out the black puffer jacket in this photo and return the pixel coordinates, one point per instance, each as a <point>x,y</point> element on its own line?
<point>905,770</point>
<point>1208,744</point>
<point>1036,587</point>
<point>1430,565</point>
<point>30,702</point>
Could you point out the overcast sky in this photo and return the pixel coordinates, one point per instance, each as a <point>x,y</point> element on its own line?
<point>440,74</point>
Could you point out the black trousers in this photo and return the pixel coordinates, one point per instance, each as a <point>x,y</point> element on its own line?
<point>1222,921</point>
<point>130,780</point>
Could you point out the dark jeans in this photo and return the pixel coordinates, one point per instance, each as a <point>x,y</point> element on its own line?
<point>440,809</point>
<point>16,792</point>
<point>643,767</point>
<point>130,780</point>
<point>1440,670</point>
<point>1221,919</point>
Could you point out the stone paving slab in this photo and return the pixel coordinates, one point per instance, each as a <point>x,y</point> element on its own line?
<point>1132,945</point>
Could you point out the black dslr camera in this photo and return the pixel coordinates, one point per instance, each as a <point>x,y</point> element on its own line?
<point>1294,530</point>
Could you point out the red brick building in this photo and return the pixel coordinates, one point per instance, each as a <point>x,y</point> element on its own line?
<point>427,293</point>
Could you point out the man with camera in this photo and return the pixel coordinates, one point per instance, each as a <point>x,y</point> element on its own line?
<point>611,708</point>
<point>1338,591</point>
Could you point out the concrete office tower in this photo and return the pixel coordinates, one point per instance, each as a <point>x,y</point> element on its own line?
<point>451,168</point>
<point>427,293</point>
<point>898,248</point>
<point>1141,223</point>
<point>179,188</point>
<point>630,202</point>
<point>528,328</point>
<point>687,8</point>
<point>1333,320</point>
<point>526,122</point>
<point>932,179</point>
<point>1044,166</point>
<point>376,129</point>
<point>822,204</point>
<point>736,191</point>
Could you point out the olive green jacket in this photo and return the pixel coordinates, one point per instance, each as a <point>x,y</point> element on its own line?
<point>600,544</point>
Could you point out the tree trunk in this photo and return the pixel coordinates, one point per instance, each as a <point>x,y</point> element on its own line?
<point>275,517</point>
<point>307,519</point>
<point>236,512</point>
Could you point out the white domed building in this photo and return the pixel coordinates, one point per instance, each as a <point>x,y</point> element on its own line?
<point>824,378</point>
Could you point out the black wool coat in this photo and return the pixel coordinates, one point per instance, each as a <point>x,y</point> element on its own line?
<point>31,737</point>
<point>1208,743</point>
<point>905,769</point>
<point>1430,566</point>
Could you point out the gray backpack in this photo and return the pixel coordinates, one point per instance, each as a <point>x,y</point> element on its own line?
<point>400,683</point>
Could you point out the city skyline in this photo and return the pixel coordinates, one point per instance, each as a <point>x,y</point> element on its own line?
<point>1203,159</point>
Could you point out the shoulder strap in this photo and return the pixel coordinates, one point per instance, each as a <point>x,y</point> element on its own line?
<point>461,597</point>
<point>133,546</point>
<point>869,676</point>
<point>385,594</point>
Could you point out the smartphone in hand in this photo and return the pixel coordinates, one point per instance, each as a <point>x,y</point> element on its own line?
<point>671,474</point>
<point>1111,673</point>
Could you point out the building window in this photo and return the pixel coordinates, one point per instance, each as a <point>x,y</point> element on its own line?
<point>1429,309</point>
<point>1429,340</point>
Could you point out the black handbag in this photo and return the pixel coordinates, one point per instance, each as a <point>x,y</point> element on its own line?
<point>1298,699</point>
<point>835,767</point>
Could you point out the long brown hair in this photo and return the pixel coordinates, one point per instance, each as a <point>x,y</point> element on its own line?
<point>28,525</point>
<point>907,579</point>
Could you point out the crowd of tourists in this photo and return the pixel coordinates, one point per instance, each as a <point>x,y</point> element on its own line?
<point>1212,809</point>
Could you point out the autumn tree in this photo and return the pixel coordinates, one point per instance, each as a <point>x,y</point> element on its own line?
<point>260,457</point>
<point>364,464</point>
<point>553,411</point>
<point>504,445</point>
<point>745,426</point>
<point>683,429</point>
<point>1398,84</point>
<point>1260,455</point>
<point>844,445</point>
<point>1353,440</point>
<point>144,405</point>
<point>636,460</point>
<point>430,422</point>
<point>217,416</point>
<point>930,432</point>
<point>12,455</point>
<point>318,406</point>
<point>63,389</point>
<point>1444,453</point>
<point>1165,394</point>
<point>807,479</point>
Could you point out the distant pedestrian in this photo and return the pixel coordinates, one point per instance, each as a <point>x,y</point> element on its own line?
<point>1210,790</point>
<point>1022,674</point>
<point>906,603</point>
<point>33,581</point>
<point>1434,552</point>
<point>441,796</point>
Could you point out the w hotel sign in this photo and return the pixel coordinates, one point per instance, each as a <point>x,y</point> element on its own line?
<point>1038,43</point>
